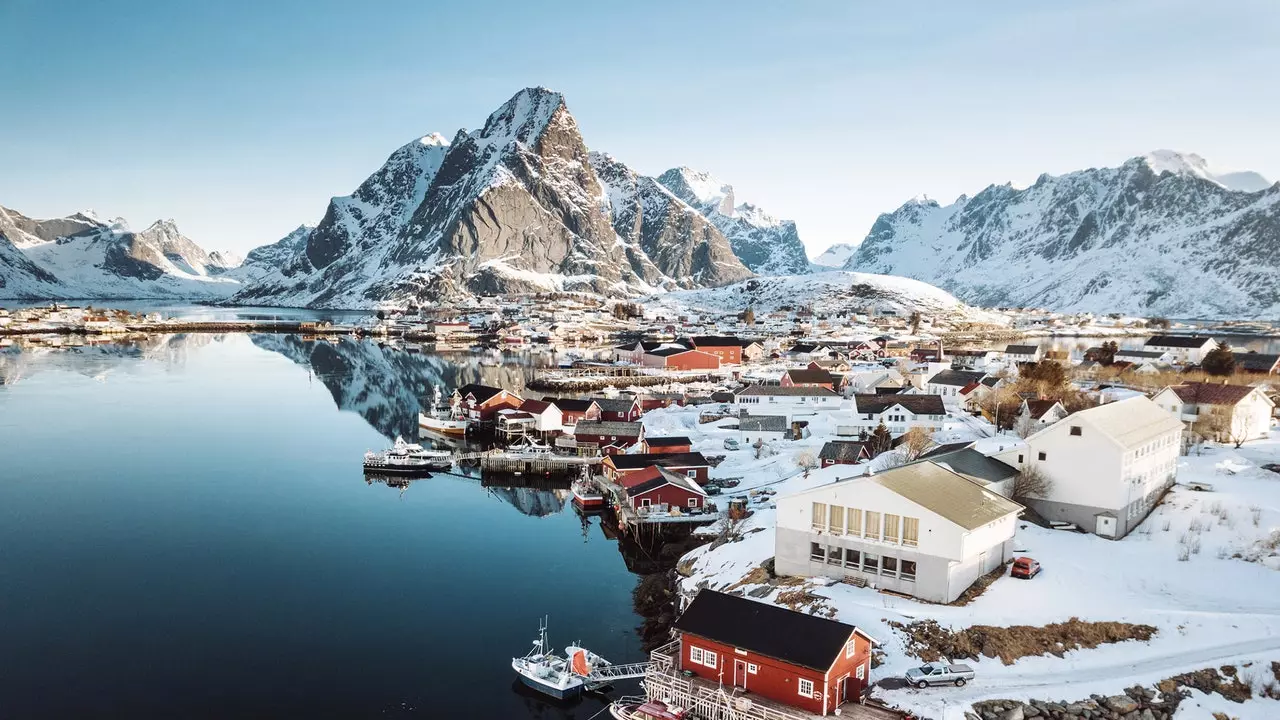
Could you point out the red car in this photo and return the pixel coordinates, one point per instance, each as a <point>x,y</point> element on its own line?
<point>1025,567</point>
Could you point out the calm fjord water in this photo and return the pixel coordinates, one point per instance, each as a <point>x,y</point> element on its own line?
<point>185,532</point>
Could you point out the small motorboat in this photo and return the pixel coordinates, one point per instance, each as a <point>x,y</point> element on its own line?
<point>545,671</point>
<point>407,459</point>
<point>629,708</point>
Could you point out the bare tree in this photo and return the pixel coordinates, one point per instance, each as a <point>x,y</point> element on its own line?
<point>1030,483</point>
<point>915,443</point>
<point>808,460</point>
<point>1024,425</point>
<point>1212,426</point>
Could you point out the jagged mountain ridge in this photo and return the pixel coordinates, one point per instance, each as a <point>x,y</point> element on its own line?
<point>836,256</point>
<point>515,206</point>
<point>766,245</point>
<point>1128,239</point>
<point>82,256</point>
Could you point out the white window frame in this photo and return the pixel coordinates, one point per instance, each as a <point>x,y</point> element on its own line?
<point>752,668</point>
<point>695,655</point>
<point>861,673</point>
<point>710,659</point>
<point>691,473</point>
<point>850,648</point>
<point>693,502</point>
<point>800,687</point>
<point>645,502</point>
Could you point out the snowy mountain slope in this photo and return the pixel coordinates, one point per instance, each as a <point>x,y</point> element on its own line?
<point>1127,239</point>
<point>1193,165</point>
<point>512,207</point>
<point>81,256</point>
<point>836,256</point>
<point>266,259</point>
<point>830,292</point>
<point>766,245</point>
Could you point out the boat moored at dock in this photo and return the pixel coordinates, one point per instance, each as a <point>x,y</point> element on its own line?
<point>408,459</point>
<point>442,419</point>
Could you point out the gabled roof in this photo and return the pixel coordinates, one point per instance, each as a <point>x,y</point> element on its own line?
<point>990,381</point>
<point>668,441</point>
<point>788,391</point>
<point>616,404</point>
<point>946,493</point>
<point>1038,408</point>
<point>665,477</point>
<point>1179,341</point>
<point>536,407</point>
<point>805,375</point>
<point>1211,393</point>
<point>944,449</point>
<point>958,378</point>
<point>480,392</point>
<point>624,429</point>
<point>843,450</point>
<point>973,464</point>
<point>807,348</point>
<point>1021,349</point>
<point>570,404</point>
<point>793,637</point>
<point>763,423</point>
<point>632,461</point>
<point>1256,362</point>
<point>918,404</point>
<point>717,341</point>
<point>1130,423</point>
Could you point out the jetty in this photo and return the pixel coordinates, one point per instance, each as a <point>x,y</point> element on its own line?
<point>499,460</point>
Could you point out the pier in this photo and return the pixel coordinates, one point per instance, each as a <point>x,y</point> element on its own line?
<point>509,462</point>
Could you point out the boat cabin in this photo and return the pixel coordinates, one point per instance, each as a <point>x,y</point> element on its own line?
<point>801,660</point>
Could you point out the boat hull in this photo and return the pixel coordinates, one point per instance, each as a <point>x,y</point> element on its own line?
<point>401,471</point>
<point>568,693</point>
<point>452,428</point>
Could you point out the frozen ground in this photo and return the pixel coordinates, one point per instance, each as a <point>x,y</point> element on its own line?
<point>1203,568</point>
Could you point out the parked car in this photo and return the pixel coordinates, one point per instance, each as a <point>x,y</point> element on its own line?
<point>732,444</point>
<point>1025,568</point>
<point>939,674</point>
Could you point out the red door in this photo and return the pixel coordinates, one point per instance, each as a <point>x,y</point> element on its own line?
<point>740,674</point>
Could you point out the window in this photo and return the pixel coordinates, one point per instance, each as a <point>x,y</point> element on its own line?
<point>889,566</point>
<point>891,528</point>
<point>837,520</point>
<point>910,531</point>
<point>855,521</point>
<point>817,552</point>
<point>852,558</point>
<point>819,516</point>
<point>805,687</point>
<point>851,647</point>
<point>644,502</point>
<point>873,525</point>
<point>1020,460</point>
<point>862,672</point>
<point>870,563</point>
<point>908,570</point>
<point>1075,429</point>
<point>1042,456</point>
<point>702,657</point>
<point>693,502</point>
<point>752,668</point>
<point>691,473</point>
<point>613,437</point>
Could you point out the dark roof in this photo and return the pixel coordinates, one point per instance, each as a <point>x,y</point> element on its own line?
<point>918,404</point>
<point>1211,393</point>
<point>481,392</point>
<point>763,423</point>
<point>959,378</point>
<point>625,429</point>
<point>1256,362</point>
<point>794,391</point>
<point>668,351</point>
<point>536,406</point>
<point>615,404</point>
<point>804,347</point>
<point>1038,408</point>
<point>665,477</point>
<point>1147,354</point>
<point>1021,349</point>
<point>841,450</point>
<point>805,375</point>
<point>569,404</point>
<point>990,381</point>
<point>968,461</point>
<point>944,449</point>
<point>793,637</point>
<point>1181,341</point>
<point>716,341</point>
<point>635,461</point>
<point>722,396</point>
<point>669,440</point>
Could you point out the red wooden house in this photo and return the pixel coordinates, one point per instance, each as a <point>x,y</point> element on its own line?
<point>662,490</point>
<point>793,658</point>
<point>611,437</point>
<point>844,452</point>
<point>622,409</point>
<point>480,402</point>
<point>668,444</point>
<point>575,411</point>
<point>807,377</point>
<point>677,358</point>
<point>689,464</point>
<point>728,349</point>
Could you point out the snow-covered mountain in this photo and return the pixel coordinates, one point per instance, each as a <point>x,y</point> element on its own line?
<point>1191,164</point>
<point>830,292</point>
<point>766,245</point>
<point>1161,234</point>
<point>82,256</point>
<point>515,206</point>
<point>836,256</point>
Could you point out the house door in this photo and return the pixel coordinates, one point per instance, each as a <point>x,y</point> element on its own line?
<point>842,690</point>
<point>1105,525</point>
<point>982,563</point>
<point>740,674</point>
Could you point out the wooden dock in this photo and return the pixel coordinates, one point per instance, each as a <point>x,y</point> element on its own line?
<point>516,462</point>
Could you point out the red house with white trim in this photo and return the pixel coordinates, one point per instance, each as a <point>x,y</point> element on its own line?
<point>793,658</point>
<point>660,490</point>
<point>481,402</point>
<point>680,358</point>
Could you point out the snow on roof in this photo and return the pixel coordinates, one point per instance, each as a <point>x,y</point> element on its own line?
<point>1131,422</point>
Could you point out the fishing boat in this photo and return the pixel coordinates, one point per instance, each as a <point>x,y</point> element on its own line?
<point>442,419</point>
<point>407,459</point>
<point>561,677</point>
<point>637,708</point>
<point>586,494</point>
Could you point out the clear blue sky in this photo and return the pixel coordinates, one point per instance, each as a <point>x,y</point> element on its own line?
<point>240,119</point>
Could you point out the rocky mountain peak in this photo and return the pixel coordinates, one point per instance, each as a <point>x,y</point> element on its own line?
<point>699,189</point>
<point>524,117</point>
<point>1193,165</point>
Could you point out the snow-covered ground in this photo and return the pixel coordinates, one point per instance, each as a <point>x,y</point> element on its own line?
<point>1203,568</point>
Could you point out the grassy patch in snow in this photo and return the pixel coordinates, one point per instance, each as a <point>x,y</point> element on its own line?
<point>930,641</point>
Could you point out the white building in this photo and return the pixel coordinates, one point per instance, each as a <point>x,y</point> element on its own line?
<point>1106,466</point>
<point>762,428</point>
<point>1184,349</point>
<point>788,401</point>
<point>1244,411</point>
<point>1022,353</point>
<point>918,529</point>
<point>899,413</point>
<point>948,384</point>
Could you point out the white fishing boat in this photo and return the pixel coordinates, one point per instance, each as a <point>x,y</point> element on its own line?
<point>637,708</point>
<point>441,418</point>
<point>562,677</point>
<point>407,459</point>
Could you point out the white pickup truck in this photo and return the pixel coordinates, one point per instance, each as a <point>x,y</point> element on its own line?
<point>939,674</point>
